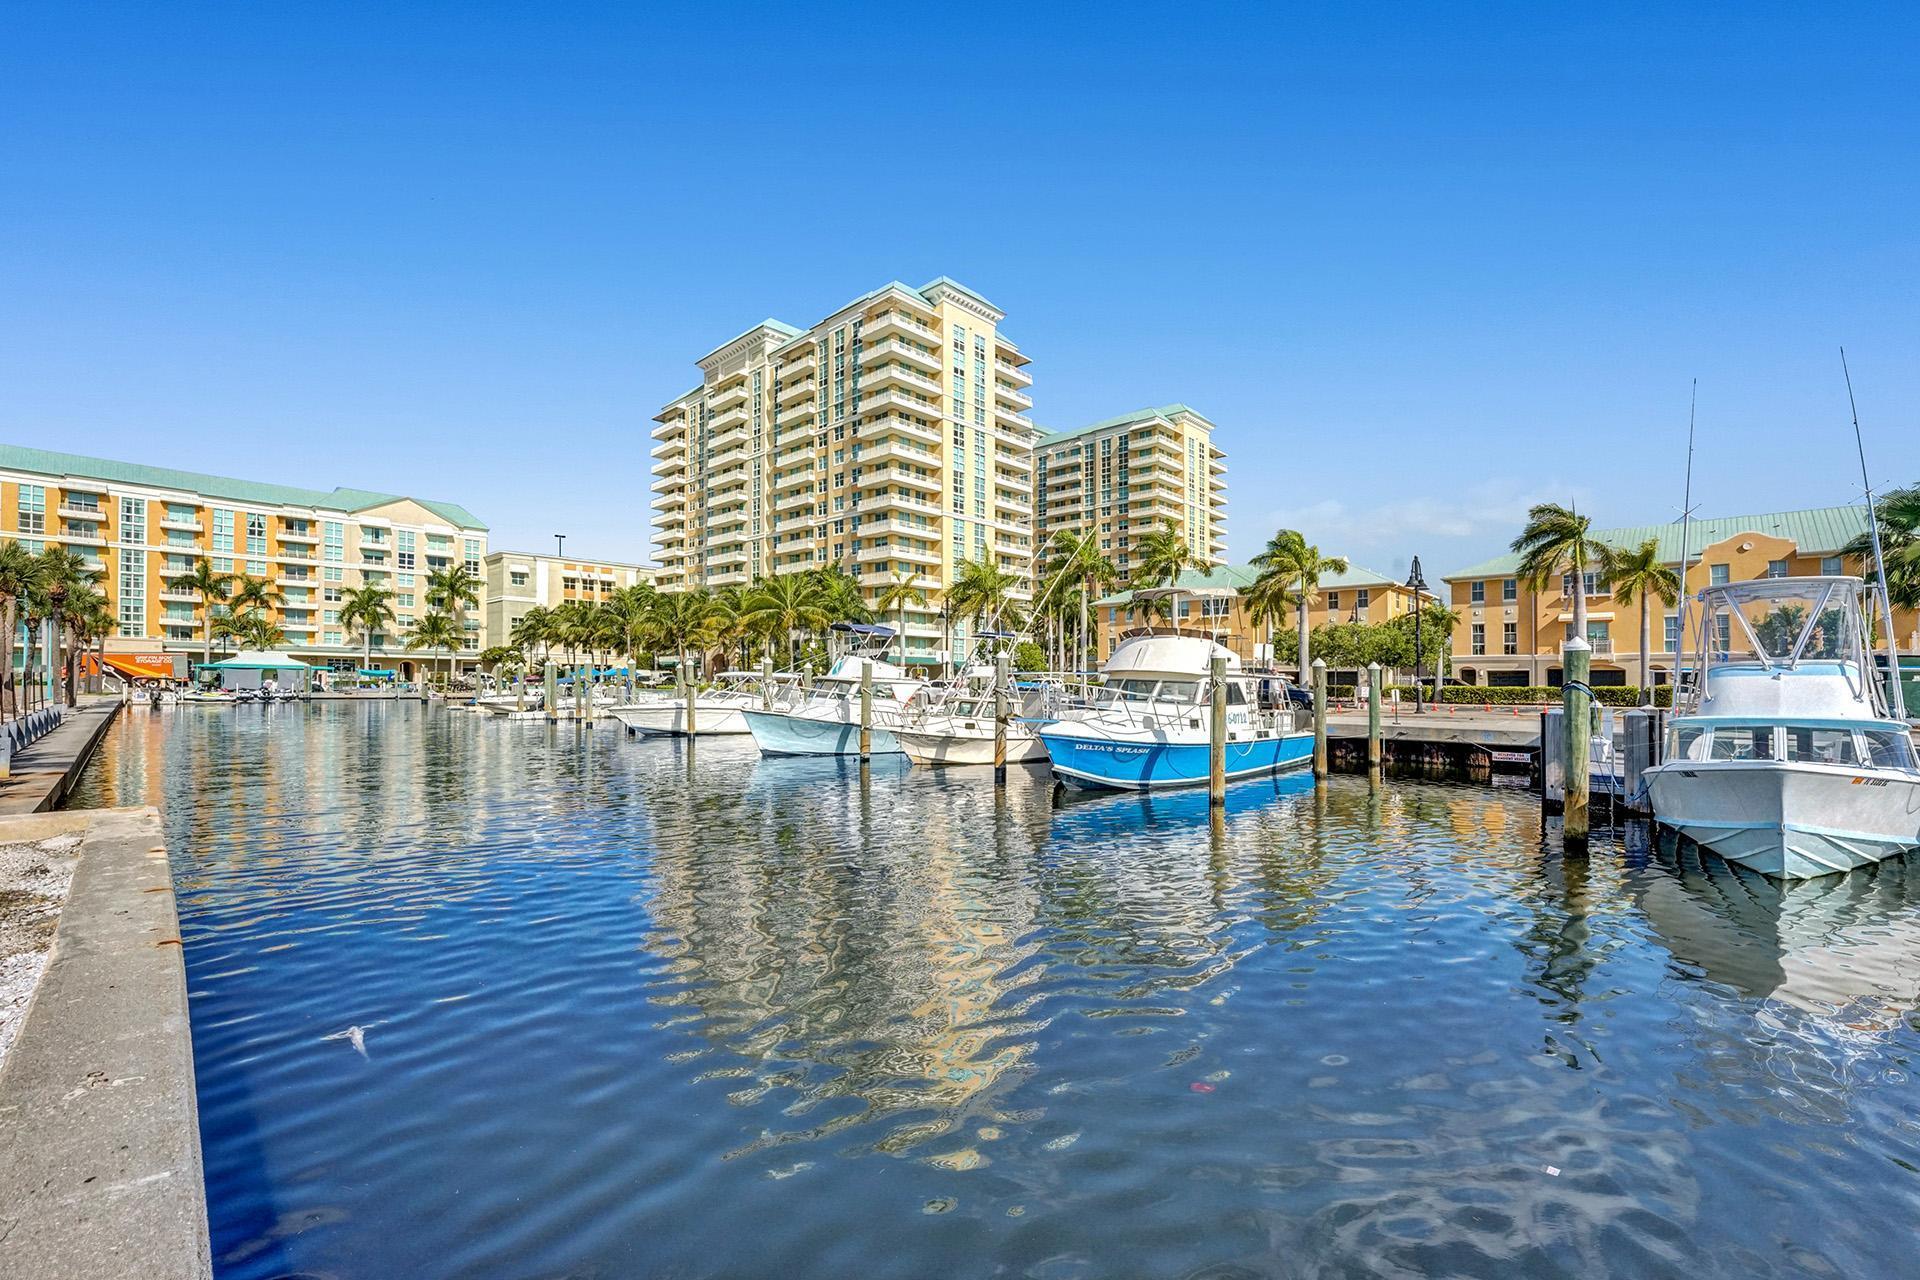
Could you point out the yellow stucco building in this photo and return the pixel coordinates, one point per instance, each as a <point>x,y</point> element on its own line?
<point>139,526</point>
<point>1510,634</point>
<point>520,580</point>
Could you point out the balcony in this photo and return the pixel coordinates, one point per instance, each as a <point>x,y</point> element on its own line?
<point>923,581</point>
<point>885,400</point>
<point>910,528</point>
<point>729,393</point>
<point>799,411</point>
<point>894,374</point>
<point>797,363</point>
<point>901,476</point>
<point>1012,372</point>
<point>97,538</point>
<point>803,499</point>
<point>892,449</point>
<point>80,511</point>
<point>898,502</point>
<point>170,596</point>
<point>1012,421</point>
<point>895,322</point>
<point>720,423</point>
<point>912,429</point>
<point>1011,396</point>
<point>180,525</point>
<point>894,349</point>
<point>796,388</point>
<point>733,578</point>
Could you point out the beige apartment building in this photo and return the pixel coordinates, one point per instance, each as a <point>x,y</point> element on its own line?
<point>139,526</point>
<point>1130,475</point>
<point>889,438</point>
<point>519,580</point>
<point>1510,634</point>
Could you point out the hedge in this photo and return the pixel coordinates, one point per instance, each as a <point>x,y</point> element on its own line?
<point>1522,695</point>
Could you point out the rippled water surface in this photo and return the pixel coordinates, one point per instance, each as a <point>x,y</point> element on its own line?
<point>627,1009</point>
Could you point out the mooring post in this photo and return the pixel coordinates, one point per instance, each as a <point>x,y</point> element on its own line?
<point>692,704</point>
<point>520,690</point>
<point>1000,720</point>
<point>1217,740</point>
<point>1373,720</point>
<point>766,683</point>
<point>866,708</point>
<point>1319,717</point>
<point>551,702</point>
<point>1577,664</point>
<point>579,692</point>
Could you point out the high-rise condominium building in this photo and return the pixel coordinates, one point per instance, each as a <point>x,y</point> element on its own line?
<point>140,527</point>
<point>889,439</point>
<point>1128,476</point>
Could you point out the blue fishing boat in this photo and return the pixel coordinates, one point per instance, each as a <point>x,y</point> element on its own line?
<point>1148,725</point>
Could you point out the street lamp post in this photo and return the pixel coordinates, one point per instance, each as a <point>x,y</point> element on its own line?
<point>560,544</point>
<point>1417,584</point>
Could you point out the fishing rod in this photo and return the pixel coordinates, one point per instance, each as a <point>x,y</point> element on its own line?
<point>1686,549</point>
<point>1899,698</point>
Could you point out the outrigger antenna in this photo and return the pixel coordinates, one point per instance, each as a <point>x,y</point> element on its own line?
<point>1899,698</point>
<point>1686,517</point>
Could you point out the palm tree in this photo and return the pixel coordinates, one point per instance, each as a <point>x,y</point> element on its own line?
<point>629,610</point>
<point>65,583</point>
<point>1640,573</point>
<point>533,629</point>
<point>436,630</point>
<point>367,610</point>
<point>1268,599</point>
<point>1899,512</point>
<point>212,588</point>
<point>679,623</point>
<point>454,589</point>
<point>1079,566</point>
<point>1558,542</point>
<point>254,593</point>
<point>1165,554</point>
<point>789,603</point>
<point>904,590</point>
<point>981,591</point>
<point>1291,561</point>
<point>20,572</point>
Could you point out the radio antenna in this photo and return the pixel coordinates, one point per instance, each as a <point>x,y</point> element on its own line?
<point>1899,698</point>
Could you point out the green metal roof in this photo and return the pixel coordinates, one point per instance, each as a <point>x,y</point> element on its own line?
<point>1125,419</point>
<point>1817,531</point>
<point>1241,576</point>
<point>46,462</point>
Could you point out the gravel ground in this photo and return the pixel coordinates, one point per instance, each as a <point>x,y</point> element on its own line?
<point>33,884</point>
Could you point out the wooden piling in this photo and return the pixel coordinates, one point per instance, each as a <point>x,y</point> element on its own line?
<point>1373,720</point>
<point>693,697</point>
<point>1000,720</point>
<point>866,709</point>
<point>551,687</point>
<point>1575,699</point>
<point>1217,739</point>
<point>1319,717</point>
<point>766,683</point>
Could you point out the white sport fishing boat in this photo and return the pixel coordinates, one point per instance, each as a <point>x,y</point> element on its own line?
<point>1790,755</point>
<point>953,723</point>
<point>826,722</point>
<point>1150,724</point>
<point>717,710</point>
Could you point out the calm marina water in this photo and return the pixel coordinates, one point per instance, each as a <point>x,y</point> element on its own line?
<point>629,1009</point>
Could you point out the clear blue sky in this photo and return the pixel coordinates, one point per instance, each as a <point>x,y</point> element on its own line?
<point>1422,264</point>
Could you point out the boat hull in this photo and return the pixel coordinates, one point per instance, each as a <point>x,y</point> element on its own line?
<point>669,720</point>
<point>1789,821</point>
<point>936,746</point>
<point>780,733</point>
<point>1091,761</point>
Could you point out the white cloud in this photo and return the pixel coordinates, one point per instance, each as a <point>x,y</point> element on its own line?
<point>1477,519</point>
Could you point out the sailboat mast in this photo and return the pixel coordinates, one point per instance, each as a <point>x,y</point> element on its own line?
<point>1686,552</point>
<point>1898,696</point>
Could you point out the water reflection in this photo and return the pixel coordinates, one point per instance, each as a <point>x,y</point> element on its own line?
<point>655,1007</point>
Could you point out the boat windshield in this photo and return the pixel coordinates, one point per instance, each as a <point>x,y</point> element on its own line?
<point>1140,689</point>
<point>1785,622</point>
<point>1887,748</point>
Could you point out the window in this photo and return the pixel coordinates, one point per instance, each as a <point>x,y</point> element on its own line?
<point>1821,746</point>
<point>1362,598</point>
<point>1333,602</point>
<point>1672,641</point>
<point>1776,568</point>
<point>1510,590</point>
<point>1889,749</point>
<point>1745,742</point>
<point>517,578</point>
<point>1590,580</point>
<point>33,508</point>
<point>1215,608</point>
<point>256,534</point>
<point>1832,566</point>
<point>333,537</point>
<point>1717,575</point>
<point>1479,638</point>
<point>1510,639</point>
<point>472,547</point>
<point>403,549</point>
<point>1477,592</point>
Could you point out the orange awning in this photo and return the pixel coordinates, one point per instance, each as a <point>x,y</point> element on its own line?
<point>138,669</point>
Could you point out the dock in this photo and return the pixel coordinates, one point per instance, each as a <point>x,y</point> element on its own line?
<point>46,770</point>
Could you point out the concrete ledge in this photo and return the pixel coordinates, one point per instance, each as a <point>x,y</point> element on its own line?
<point>45,771</point>
<point>101,1176</point>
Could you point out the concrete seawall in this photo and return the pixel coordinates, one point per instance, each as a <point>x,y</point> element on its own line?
<point>98,1120</point>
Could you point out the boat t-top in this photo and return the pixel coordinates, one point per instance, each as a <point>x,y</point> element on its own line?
<point>1149,725</point>
<point>955,723</point>
<point>1789,755</point>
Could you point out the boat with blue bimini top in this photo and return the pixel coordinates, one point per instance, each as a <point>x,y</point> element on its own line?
<point>826,721</point>
<point>1791,755</point>
<point>1148,724</point>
